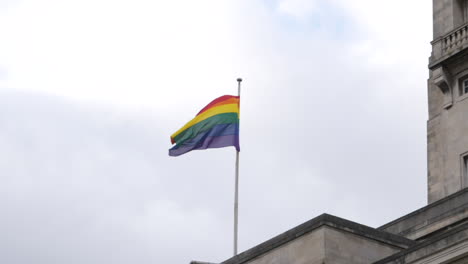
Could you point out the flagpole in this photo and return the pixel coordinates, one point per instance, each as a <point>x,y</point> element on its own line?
<point>236,191</point>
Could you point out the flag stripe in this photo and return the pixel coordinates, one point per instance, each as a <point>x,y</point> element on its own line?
<point>191,132</point>
<point>219,136</point>
<point>217,130</point>
<point>210,142</point>
<point>229,101</point>
<point>227,108</point>
<point>220,100</point>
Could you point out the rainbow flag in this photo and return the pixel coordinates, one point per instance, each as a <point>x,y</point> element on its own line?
<point>215,126</point>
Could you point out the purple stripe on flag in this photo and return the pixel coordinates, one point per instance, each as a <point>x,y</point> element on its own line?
<point>208,142</point>
<point>221,135</point>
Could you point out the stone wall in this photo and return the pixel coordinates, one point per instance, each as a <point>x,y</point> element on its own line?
<point>447,127</point>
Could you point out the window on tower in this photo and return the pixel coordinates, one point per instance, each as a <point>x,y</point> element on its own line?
<point>464,7</point>
<point>465,167</point>
<point>465,10</point>
<point>461,16</point>
<point>463,86</point>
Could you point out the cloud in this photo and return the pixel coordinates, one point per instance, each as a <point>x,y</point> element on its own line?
<point>297,8</point>
<point>384,36</point>
<point>3,74</point>
<point>87,187</point>
<point>115,51</point>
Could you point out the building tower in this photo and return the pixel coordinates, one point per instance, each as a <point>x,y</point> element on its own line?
<point>447,127</point>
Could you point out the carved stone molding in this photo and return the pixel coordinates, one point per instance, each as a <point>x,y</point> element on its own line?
<point>443,81</point>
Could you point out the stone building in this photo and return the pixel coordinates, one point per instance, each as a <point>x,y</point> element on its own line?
<point>436,233</point>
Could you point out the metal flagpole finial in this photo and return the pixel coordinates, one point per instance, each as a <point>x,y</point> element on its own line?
<point>239,79</point>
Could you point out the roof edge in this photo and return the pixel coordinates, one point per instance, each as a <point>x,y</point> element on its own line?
<point>309,226</point>
<point>425,208</point>
<point>421,245</point>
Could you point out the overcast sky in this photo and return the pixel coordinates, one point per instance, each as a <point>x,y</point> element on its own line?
<point>333,120</point>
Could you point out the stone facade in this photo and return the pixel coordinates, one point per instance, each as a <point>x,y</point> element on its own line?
<point>434,234</point>
<point>325,239</point>
<point>447,127</point>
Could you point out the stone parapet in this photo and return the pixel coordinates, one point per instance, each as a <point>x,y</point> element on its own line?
<point>450,246</point>
<point>325,239</point>
<point>449,45</point>
<point>437,216</point>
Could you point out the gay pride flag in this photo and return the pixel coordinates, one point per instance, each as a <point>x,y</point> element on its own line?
<point>215,126</point>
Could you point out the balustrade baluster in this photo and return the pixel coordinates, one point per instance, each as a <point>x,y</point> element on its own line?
<point>465,36</point>
<point>460,37</point>
<point>450,42</point>
<point>455,40</point>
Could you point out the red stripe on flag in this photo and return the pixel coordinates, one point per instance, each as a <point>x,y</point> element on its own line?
<point>216,101</point>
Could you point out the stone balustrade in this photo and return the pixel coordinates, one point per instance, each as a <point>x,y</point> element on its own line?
<point>455,40</point>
